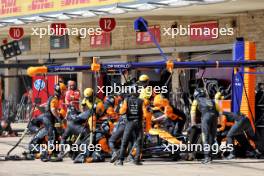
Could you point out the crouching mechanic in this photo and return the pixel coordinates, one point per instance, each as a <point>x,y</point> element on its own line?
<point>76,126</point>
<point>225,123</point>
<point>242,126</point>
<point>6,129</point>
<point>109,104</point>
<point>172,122</point>
<point>133,106</point>
<point>100,131</point>
<point>50,120</point>
<point>209,117</point>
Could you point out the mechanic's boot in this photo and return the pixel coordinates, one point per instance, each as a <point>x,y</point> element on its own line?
<point>45,159</point>
<point>114,157</point>
<point>257,154</point>
<point>207,160</point>
<point>60,156</point>
<point>28,156</point>
<point>45,156</point>
<point>190,157</point>
<point>56,159</point>
<point>139,163</point>
<point>119,163</point>
<point>130,158</point>
<point>230,156</point>
<point>79,159</point>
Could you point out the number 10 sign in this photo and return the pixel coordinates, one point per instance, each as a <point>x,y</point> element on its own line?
<point>16,33</point>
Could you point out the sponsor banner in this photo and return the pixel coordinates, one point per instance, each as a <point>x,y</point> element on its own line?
<point>14,8</point>
<point>101,41</point>
<point>145,38</point>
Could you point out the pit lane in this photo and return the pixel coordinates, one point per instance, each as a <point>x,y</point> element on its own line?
<point>151,167</point>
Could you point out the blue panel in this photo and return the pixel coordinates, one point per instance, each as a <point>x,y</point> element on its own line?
<point>162,65</point>
<point>140,26</point>
<point>238,77</point>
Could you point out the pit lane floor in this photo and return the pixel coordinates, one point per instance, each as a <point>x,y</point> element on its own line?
<point>151,167</point>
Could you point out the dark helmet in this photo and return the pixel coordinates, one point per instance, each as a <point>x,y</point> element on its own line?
<point>105,127</point>
<point>212,88</point>
<point>199,93</point>
<point>59,88</point>
<point>221,89</point>
<point>110,100</point>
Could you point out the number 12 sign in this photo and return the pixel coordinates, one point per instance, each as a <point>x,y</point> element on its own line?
<point>107,24</point>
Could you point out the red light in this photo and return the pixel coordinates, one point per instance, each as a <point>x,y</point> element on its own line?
<point>5,41</point>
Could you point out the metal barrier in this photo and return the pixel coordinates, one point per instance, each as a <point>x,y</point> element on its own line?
<point>14,112</point>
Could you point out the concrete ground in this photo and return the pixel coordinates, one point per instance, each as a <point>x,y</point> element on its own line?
<point>19,126</point>
<point>241,167</point>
